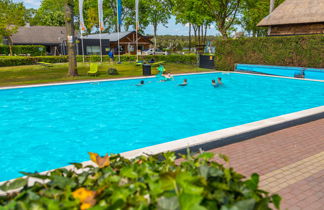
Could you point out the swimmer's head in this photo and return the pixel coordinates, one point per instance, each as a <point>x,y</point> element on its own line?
<point>142,82</point>
<point>219,78</point>
<point>213,81</point>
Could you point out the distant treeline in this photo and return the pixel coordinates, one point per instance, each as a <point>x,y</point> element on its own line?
<point>173,42</point>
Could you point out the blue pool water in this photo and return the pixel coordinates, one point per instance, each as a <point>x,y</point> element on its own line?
<point>48,127</point>
<point>286,71</point>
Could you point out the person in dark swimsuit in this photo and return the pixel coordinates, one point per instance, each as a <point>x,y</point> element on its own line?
<point>185,83</point>
<point>141,83</point>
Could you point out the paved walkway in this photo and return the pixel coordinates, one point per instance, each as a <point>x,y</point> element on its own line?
<point>289,161</point>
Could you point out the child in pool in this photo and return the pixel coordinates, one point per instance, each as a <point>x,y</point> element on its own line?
<point>185,83</point>
<point>141,83</point>
<point>214,84</point>
<point>219,81</point>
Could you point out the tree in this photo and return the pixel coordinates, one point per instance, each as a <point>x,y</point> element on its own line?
<point>253,11</point>
<point>193,12</point>
<point>159,12</point>
<point>11,17</point>
<point>69,21</point>
<point>224,13</point>
<point>50,13</point>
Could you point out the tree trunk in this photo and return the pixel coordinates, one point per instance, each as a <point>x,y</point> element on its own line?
<point>223,31</point>
<point>195,33</point>
<point>10,45</point>
<point>189,37</point>
<point>154,30</point>
<point>205,35</point>
<point>69,5</point>
<point>272,4</point>
<point>198,29</point>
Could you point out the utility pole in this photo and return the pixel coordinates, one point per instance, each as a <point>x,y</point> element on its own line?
<point>272,2</point>
<point>70,33</point>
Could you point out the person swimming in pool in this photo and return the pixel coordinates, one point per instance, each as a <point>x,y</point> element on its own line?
<point>141,83</point>
<point>185,83</point>
<point>214,84</point>
<point>219,81</point>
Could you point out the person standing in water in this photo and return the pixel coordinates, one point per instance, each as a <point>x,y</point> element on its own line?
<point>185,83</point>
<point>214,84</point>
<point>219,81</point>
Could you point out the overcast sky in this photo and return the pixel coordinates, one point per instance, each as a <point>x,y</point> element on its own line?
<point>172,28</point>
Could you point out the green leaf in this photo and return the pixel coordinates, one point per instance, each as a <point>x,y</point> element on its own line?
<point>253,182</point>
<point>77,165</point>
<point>16,184</point>
<point>170,203</point>
<point>227,174</point>
<point>215,172</point>
<point>190,202</point>
<point>245,204</point>
<point>204,171</point>
<point>35,175</point>
<point>276,199</point>
<point>206,156</point>
<point>128,172</point>
<point>62,182</point>
<point>224,157</point>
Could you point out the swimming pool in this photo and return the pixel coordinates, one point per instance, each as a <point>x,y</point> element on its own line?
<point>286,71</point>
<point>49,127</point>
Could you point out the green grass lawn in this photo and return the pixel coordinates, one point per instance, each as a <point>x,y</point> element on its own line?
<point>36,74</point>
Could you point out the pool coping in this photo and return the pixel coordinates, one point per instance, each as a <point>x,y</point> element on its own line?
<point>204,141</point>
<point>144,77</point>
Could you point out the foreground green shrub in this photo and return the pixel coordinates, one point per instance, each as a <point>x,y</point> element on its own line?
<point>32,50</point>
<point>305,51</point>
<point>142,183</point>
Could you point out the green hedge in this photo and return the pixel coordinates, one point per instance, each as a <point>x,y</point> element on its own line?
<point>306,51</point>
<point>22,60</point>
<point>26,60</point>
<point>183,59</point>
<point>146,182</point>
<point>33,50</point>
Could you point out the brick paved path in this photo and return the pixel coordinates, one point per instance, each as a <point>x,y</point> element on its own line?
<point>290,162</point>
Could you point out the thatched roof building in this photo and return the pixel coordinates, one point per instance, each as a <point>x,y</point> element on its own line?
<point>294,17</point>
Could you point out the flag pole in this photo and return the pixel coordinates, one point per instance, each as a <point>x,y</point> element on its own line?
<point>100,45</point>
<point>137,26</point>
<point>118,29</point>
<point>82,27</point>
<point>82,46</point>
<point>100,26</point>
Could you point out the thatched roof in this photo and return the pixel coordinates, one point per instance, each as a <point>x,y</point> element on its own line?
<point>43,35</point>
<point>296,12</point>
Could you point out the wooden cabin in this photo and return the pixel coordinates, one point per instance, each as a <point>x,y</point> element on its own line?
<point>127,41</point>
<point>296,17</point>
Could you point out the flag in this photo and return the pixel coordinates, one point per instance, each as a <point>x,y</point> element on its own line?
<point>119,11</point>
<point>100,11</point>
<point>136,9</point>
<point>82,26</point>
